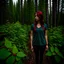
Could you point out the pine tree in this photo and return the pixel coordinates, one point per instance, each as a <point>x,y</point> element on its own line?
<point>25,12</point>
<point>42,8</point>
<point>36,6</point>
<point>30,11</point>
<point>18,11</point>
<point>3,5</point>
<point>33,11</point>
<point>47,12</point>
<point>54,12</point>
<point>22,11</point>
<point>10,11</point>
<point>14,12</point>
<point>62,13</point>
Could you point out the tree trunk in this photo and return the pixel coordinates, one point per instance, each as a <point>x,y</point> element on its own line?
<point>50,14</point>
<point>58,15</point>
<point>54,12</point>
<point>36,6</point>
<point>22,20</point>
<point>62,13</point>
<point>42,8</point>
<point>3,11</point>
<point>47,13</point>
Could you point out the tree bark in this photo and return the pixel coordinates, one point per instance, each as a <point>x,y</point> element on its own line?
<point>36,6</point>
<point>54,12</point>
<point>62,13</point>
<point>3,11</point>
<point>58,15</point>
<point>47,13</point>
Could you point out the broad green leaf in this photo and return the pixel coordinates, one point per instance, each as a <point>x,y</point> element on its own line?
<point>49,53</point>
<point>8,43</point>
<point>56,50</point>
<point>14,50</point>
<point>4,53</point>
<point>21,54</point>
<point>17,58</point>
<point>10,60</point>
<point>60,54</point>
<point>1,43</point>
<point>19,62</point>
<point>54,53</point>
<point>57,58</point>
<point>52,49</point>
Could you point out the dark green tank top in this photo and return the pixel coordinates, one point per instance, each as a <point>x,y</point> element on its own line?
<point>38,35</point>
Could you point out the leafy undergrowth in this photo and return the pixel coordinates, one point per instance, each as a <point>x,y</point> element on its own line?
<point>10,53</point>
<point>14,45</point>
<point>56,44</point>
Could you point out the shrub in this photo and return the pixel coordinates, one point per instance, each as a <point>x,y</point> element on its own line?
<point>10,53</point>
<point>16,42</point>
<point>56,41</point>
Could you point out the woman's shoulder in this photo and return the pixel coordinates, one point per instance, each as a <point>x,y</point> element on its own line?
<point>45,25</point>
<point>32,26</point>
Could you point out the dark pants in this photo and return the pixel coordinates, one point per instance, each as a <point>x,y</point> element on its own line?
<point>39,51</point>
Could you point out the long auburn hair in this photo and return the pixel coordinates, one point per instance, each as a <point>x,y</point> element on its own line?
<point>41,19</point>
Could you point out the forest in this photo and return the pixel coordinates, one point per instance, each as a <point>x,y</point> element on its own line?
<point>15,25</point>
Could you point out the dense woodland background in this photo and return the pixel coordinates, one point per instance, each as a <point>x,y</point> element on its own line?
<point>53,11</point>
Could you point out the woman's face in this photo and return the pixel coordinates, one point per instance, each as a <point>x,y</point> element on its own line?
<point>36,17</point>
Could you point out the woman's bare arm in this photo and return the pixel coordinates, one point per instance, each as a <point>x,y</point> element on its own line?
<point>46,37</point>
<point>31,38</point>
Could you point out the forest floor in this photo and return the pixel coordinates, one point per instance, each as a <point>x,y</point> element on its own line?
<point>46,60</point>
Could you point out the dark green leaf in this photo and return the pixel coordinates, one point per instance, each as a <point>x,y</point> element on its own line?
<point>52,49</point>
<point>4,53</point>
<point>49,53</point>
<point>56,50</point>
<point>8,43</point>
<point>21,54</point>
<point>10,60</point>
<point>14,50</point>
<point>57,58</point>
<point>17,58</point>
<point>19,62</point>
<point>60,54</point>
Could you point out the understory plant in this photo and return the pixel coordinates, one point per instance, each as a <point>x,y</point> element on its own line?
<point>56,42</point>
<point>14,42</point>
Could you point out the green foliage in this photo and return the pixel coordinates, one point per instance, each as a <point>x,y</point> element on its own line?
<point>56,41</point>
<point>49,53</point>
<point>56,36</point>
<point>15,42</point>
<point>21,54</point>
<point>30,11</point>
<point>17,33</point>
<point>57,58</point>
<point>10,60</point>
<point>11,54</point>
<point>42,7</point>
<point>14,49</point>
<point>8,43</point>
<point>19,62</point>
<point>18,11</point>
<point>4,53</point>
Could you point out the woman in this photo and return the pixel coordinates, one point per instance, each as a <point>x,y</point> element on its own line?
<point>38,36</point>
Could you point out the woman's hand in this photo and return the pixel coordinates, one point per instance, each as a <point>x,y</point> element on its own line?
<point>46,48</point>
